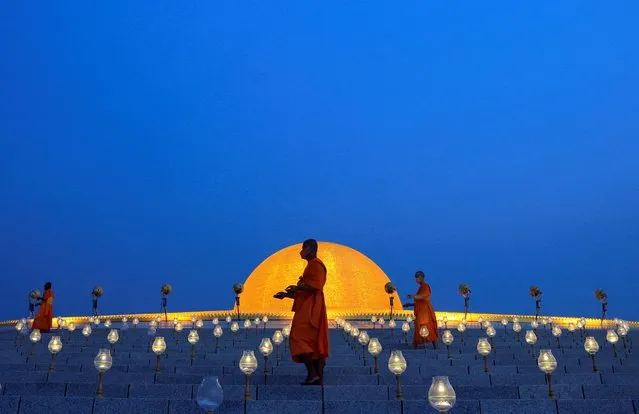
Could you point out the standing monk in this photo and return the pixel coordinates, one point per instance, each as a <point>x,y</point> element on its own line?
<point>309,331</point>
<point>44,319</point>
<point>424,312</point>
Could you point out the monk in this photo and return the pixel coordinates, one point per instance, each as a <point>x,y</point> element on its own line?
<point>44,319</point>
<point>309,331</point>
<point>424,312</point>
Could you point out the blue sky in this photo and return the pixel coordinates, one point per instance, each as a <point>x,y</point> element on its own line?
<point>489,143</point>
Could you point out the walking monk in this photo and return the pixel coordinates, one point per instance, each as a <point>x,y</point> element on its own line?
<point>44,319</point>
<point>424,313</point>
<point>309,331</point>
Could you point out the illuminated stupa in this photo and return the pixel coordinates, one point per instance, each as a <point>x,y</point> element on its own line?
<point>355,284</point>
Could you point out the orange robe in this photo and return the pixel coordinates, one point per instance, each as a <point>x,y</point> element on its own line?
<point>44,319</point>
<point>309,329</point>
<point>424,316</point>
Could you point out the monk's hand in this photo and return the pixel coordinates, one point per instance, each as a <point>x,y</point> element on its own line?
<point>291,289</point>
<point>280,295</point>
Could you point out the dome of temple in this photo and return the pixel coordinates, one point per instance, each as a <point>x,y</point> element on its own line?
<point>355,284</point>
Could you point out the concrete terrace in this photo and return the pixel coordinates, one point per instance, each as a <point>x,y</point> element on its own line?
<point>514,383</point>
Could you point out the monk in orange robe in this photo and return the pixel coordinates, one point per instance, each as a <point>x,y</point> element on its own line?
<point>424,313</point>
<point>44,319</point>
<point>309,331</point>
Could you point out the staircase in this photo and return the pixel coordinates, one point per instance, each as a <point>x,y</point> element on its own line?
<point>513,384</point>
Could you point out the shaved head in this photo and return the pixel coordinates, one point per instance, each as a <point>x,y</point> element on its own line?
<point>309,249</point>
<point>310,244</point>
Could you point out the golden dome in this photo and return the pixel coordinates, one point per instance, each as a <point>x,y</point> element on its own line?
<point>355,284</point>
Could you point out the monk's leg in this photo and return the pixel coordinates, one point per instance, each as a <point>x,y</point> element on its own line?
<point>319,368</point>
<point>307,360</point>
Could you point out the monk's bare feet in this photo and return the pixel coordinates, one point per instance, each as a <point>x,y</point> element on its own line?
<point>312,381</point>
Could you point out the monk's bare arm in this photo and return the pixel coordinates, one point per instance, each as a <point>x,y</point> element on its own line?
<point>292,290</point>
<point>420,296</point>
<point>305,288</point>
<point>284,295</point>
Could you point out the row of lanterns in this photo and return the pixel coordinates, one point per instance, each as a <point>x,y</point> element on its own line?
<point>546,360</point>
<point>104,361</point>
<point>441,394</point>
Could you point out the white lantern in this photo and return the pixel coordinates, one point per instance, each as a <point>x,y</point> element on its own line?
<point>159,345</point>
<point>590,345</point>
<point>546,361</point>
<point>193,337</point>
<point>113,336</point>
<point>441,394</point>
<point>35,336</point>
<point>423,332</point>
<point>248,362</point>
<point>447,337</point>
<point>374,347</point>
<point>483,347</point>
<point>55,344</point>
<point>363,338</point>
<point>266,347</point>
<point>103,361</point>
<point>396,362</point>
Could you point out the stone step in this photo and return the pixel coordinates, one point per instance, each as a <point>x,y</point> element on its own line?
<point>513,384</point>
<point>55,405</point>
<point>234,389</point>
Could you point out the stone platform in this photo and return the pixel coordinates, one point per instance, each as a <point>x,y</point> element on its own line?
<point>513,384</point>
